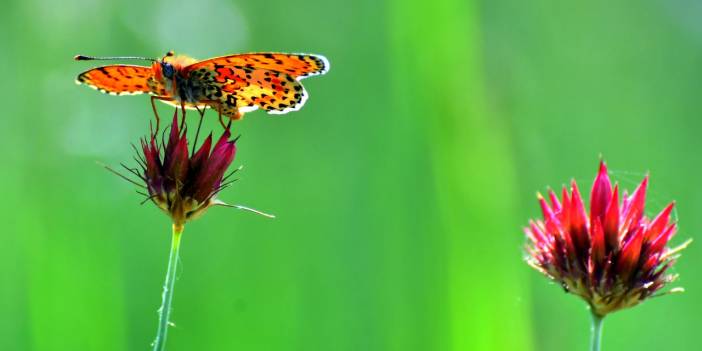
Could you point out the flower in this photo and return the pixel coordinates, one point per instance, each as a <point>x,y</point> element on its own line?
<point>613,258</point>
<point>181,184</point>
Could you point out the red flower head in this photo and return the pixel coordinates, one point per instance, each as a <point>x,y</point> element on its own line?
<point>182,185</point>
<point>613,258</point>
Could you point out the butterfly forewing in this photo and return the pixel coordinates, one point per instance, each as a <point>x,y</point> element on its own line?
<point>296,65</point>
<point>118,79</point>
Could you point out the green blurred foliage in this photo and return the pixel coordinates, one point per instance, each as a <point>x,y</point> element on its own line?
<point>400,188</point>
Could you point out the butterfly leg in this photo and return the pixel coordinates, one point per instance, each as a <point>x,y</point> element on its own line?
<point>153,105</point>
<point>218,105</point>
<point>182,118</point>
<point>221,121</point>
<point>199,124</point>
<point>219,112</point>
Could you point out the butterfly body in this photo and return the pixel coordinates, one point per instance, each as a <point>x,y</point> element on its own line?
<point>169,81</point>
<point>231,84</point>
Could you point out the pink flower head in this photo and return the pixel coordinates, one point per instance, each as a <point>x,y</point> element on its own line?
<point>614,257</point>
<point>181,184</point>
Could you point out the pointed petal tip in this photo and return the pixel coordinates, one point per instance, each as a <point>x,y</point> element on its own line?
<point>574,188</point>
<point>684,245</point>
<point>676,290</point>
<point>255,211</point>
<point>603,166</point>
<point>669,208</point>
<point>603,173</point>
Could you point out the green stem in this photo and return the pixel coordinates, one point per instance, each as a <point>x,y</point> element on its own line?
<point>596,340</point>
<point>165,310</point>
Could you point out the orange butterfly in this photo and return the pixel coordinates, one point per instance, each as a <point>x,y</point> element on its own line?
<point>231,84</point>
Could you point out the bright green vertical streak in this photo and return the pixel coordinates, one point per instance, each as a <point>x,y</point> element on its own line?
<point>14,333</point>
<point>438,82</point>
<point>60,285</point>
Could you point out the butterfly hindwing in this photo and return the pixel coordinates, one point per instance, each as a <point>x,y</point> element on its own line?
<point>118,79</point>
<point>245,88</point>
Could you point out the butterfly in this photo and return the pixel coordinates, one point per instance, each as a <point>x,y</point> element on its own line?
<point>232,84</point>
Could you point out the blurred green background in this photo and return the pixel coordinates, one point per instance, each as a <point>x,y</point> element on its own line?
<point>400,188</point>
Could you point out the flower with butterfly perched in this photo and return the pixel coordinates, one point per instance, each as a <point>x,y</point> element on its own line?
<point>184,184</point>
<point>614,257</point>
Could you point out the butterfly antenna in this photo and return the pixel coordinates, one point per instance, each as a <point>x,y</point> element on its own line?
<point>91,58</point>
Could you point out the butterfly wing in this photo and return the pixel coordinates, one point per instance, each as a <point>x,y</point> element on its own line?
<point>118,79</point>
<point>246,82</point>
